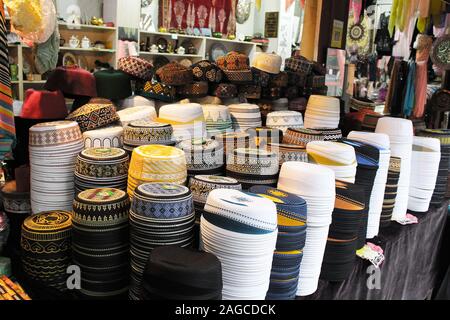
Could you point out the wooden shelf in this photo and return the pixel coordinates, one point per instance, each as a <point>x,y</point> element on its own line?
<point>146,53</point>
<point>172,35</point>
<point>34,82</point>
<point>64,25</point>
<point>87,50</point>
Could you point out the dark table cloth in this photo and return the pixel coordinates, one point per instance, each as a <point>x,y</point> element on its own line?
<point>410,270</point>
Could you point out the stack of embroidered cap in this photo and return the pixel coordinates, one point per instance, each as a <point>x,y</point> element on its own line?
<point>330,134</point>
<point>100,242</point>
<point>322,112</point>
<point>109,137</point>
<point>425,160</point>
<point>174,273</point>
<point>143,132</point>
<point>156,90</point>
<point>340,252</point>
<point>174,74</point>
<point>46,248</point>
<point>136,67</point>
<point>260,137</point>
<point>54,147</point>
<point>232,141</point>
<point>400,132</point>
<point>284,120</point>
<point>441,182</point>
<point>288,152</point>
<point>368,158</point>
<point>187,120</point>
<point>382,143</point>
<point>161,214</point>
<point>241,230</point>
<point>291,239</point>
<point>101,168</point>
<point>337,156</point>
<point>302,137</point>
<point>253,167</point>
<point>391,191</point>
<point>316,185</point>
<point>203,156</point>
<point>236,68</point>
<point>156,163</point>
<point>136,113</point>
<point>201,186</point>
<point>17,207</point>
<point>281,104</point>
<point>207,71</point>
<point>218,119</point>
<point>245,116</point>
<point>94,115</point>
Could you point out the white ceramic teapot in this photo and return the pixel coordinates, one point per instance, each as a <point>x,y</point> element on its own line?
<point>154,48</point>
<point>74,42</point>
<point>181,50</point>
<point>85,43</point>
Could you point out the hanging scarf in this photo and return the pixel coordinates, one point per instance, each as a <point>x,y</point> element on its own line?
<point>7,127</point>
<point>393,17</point>
<point>421,89</point>
<point>357,8</point>
<point>408,103</point>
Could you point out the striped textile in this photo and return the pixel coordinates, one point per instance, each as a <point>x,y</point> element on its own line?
<point>7,128</point>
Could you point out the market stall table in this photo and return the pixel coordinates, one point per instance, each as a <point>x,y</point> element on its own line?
<point>409,271</point>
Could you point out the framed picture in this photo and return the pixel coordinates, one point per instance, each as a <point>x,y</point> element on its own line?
<point>215,15</point>
<point>271,25</point>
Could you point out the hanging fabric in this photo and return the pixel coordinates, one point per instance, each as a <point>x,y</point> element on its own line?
<point>421,88</point>
<point>408,103</point>
<point>357,8</point>
<point>7,128</point>
<point>393,17</point>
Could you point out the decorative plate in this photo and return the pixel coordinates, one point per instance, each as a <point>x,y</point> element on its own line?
<point>440,53</point>
<point>162,45</point>
<point>217,50</point>
<point>243,10</point>
<point>69,60</point>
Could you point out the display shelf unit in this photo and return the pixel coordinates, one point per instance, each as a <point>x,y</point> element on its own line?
<point>106,35</point>
<point>202,44</point>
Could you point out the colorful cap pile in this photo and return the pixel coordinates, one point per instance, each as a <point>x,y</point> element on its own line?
<point>100,242</point>
<point>245,116</point>
<point>109,137</point>
<point>218,119</point>
<point>241,230</point>
<point>54,147</point>
<point>187,120</point>
<point>284,120</point>
<point>46,248</point>
<point>322,112</point>
<point>253,167</point>
<point>316,185</point>
<point>162,214</point>
<point>425,160</point>
<point>156,163</point>
<point>340,252</point>
<point>203,156</point>
<point>337,156</point>
<point>101,168</point>
<point>292,211</point>
<point>143,132</point>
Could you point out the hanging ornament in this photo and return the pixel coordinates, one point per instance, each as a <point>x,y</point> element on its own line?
<point>243,10</point>
<point>33,20</point>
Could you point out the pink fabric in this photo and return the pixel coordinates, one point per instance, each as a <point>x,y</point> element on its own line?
<point>122,49</point>
<point>421,89</point>
<point>424,8</point>
<point>357,7</point>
